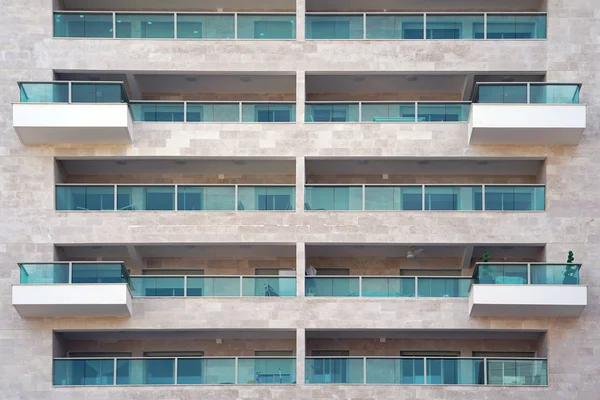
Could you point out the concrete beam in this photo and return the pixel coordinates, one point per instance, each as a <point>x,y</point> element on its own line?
<point>136,258</point>
<point>467,256</point>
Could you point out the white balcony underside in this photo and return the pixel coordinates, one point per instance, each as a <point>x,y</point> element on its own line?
<point>61,123</point>
<point>527,300</point>
<point>546,124</point>
<point>72,300</point>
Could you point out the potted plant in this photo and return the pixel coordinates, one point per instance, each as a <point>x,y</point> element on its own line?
<point>485,272</point>
<point>570,273</point>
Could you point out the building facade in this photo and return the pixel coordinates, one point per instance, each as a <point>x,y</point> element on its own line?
<point>299,199</point>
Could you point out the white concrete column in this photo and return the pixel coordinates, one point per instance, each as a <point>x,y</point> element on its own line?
<point>300,18</point>
<point>300,95</point>
<point>300,182</point>
<point>300,355</point>
<point>300,268</point>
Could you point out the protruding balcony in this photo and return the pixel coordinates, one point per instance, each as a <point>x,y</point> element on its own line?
<point>527,290</point>
<point>527,113</point>
<point>69,289</point>
<point>73,113</point>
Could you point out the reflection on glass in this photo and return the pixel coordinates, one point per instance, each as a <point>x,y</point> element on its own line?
<point>85,198</point>
<point>553,94</point>
<point>444,287</point>
<point>388,287</point>
<point>44,92</point>
<point>157,112</point>
<point>97,93</point>
<point>517,372</point>
<point>159,371</point>
<point>443,112</point>
<point>332,113</point>
<point>213,286</point>
<point>453,198</point>
<point>333,286</point>
<point>515,198</point>
<point>455,371</point>
<point>519,26</point>
<point>399,371</point>
<point>205,26</point>
<point>335,198</point>
<point>82,25</point>
<point>503,274</point>
<point>206,198</point>
<point>268,112</point>
<point>266,371</point>
<point>268,286</point>
<point>79,372</point>
<point>388,112</point>
<point>334,370</point>
<point>44,273</point>
<point>257,26</point>
<point>157,286</point>
<point>213,112</point>
<point>98,273</point>
<point>205,371</point>
<point>559,274</point>
<point>393,198</point>
<point>516,94</point>
<point>152,198</point>
<point>395,26</point>
<point>146,26</point>
<point>266,198</point>
<point>334,26</point>
<point>458,26</point>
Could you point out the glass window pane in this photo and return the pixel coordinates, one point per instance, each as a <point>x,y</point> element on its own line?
<point>388,287</point>
<point>502,274</point>
<point>265,112</point>
<point>257,26</point>
<point>85,198</point>
<point>273,286</point>
<point>444,287</point>
<point>157,112</point>
<point>403,371</point>
<point>332,113</point>
<point>97,273</point>
<point>393,198</point>
<point>553,94</point>
<point>459,26</point>
<point>153,198</point>
<point>388,112</point>
<point>335,198</point>
<point>142,26</point>
<point>97,93</point>
<point>206,197</point>
<point>44,92</point>
<point>195,371</point>
<point>549,274</point>
<point>265,371</point>
<point>455,371</point>
<point>521,26</point>
<point>443,112</point>
<point>157,286</point>
<point>465,198</point>
<point>395,27</point>
<point>44,273</point>
<point>213,286</point>
<point>334,27</point>
<point>515,198</point>
<point>77,372</point>
<point>265,198</point>
<point>213,112</point>
<point>517,372</point>
<point>146,371</point>
<point>516,94</point>
<point>83,25</point>
<point>208,26</point>
<point>333,286</point>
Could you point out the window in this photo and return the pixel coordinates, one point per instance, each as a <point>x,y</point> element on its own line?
<point>330,29</point>
<point>430,272</point>
<point>273,30</point>
<point>185,353</point>
<point>504,354</point>
<point>167,271</point>
<point>272,115</point>
<point>330,353</point>
<point>274,353</point>
<point>333,271</point>
<point>419,353</point>
<point>98,354</point>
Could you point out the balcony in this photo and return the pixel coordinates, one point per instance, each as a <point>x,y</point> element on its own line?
<point>527,290</point>
<point>72,113</point>
<point>59,289</point>
<point>527,113</point>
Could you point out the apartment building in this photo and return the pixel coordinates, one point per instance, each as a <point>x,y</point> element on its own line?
<point>299,199</point>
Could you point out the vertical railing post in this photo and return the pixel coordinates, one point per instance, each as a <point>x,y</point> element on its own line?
<point>364,189</point>
<point>424,26</point>
<point>529,273</point>
<point>416,111</point>
<point>241,285</point>
<point>185,282</point>
<point>364,25</point>
<point>423,197</point>
<point>175,371</point>
<point>236,363</point>
<point>176,198</point>
<point>115,208</point>
<point>485,371</point>
<point>360,291</point>
<point>364,370</point>
<point>235,25</point>
<point>360,111</point>
<point>70,92</point>
<point>114,25</point>
<point>240,112</point>
<point>424,370</point>
<point>528,92</point>
<point>416,286</point>
<point>175,26</point>
<point>236,197</point>
<point>114,371</point>
<point>185,111</point>
<point>485,15</point>
<point>483,197</point>
<point>70,272</point>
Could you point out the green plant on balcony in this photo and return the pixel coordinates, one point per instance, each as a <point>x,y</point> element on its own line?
<point>485,271</point>
<point>570,272</point>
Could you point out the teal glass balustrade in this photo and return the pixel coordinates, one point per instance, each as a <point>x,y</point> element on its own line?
<point>145,26</point>
<point>554,274</point>
<point>268,112</point>
<point>266,371</point>
<point>389,112</point>
<point>513,94</point>
<point>157,286</point>
<point>99,272</point>
<point>205,26</point>
<point>443,112</point>
<point>213,112</point>
<point>454,26</point>
<point>44,92</point>
<point>269,286</point>
<point>520,372</point>
<point>266,198</point>
<point>463,198</point>
<point>334,198</point>
<point>85,198</point>
<point>455,371</point>
<point>443,287</point>
<point>395,26</point>
<point>157,112</point>
<point>145,371</point>
<point>516,26</point>
<point>83,25</point>
<point>334,370</point>
<point>206,198</point>
<point>155,198</point>
<point>387,287</point>
<point>554,93</point>
<point>205,371</point>
<point>334,26</point>
<point>266,26</point>
<point>515,198</point>
<point>83,372</point>
<point>395,371</point>
<point>213,286</point>
<point>44,273</point>
<point>508,274</point>
<point>393,198</point>
<point>333,286</point>
<point>83,92</point>
<point>332,112</point>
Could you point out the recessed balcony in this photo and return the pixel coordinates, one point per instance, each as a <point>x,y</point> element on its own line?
<point>527,290</point>
<point>70,289</point>
<point>72,113</point>
<point>527,113</point>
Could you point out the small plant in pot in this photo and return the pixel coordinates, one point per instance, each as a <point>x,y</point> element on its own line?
<point>570,272</point>
<point>485,272</point>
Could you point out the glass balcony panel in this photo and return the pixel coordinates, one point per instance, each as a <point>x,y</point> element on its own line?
<point>393,198</point>
<point>397,371</point>
<point>458,198</point>
<point>146,26</point>
<point>523,372</point>
<point>334,370</point>
<point>221,198</point>
<point>157,112</point>
<point>205,371</point>
<point>388,112</point>
<point>205,26</point>
<point>333,287</point>
<point>85,198</point>
<point>146,371</point>
<point>515,198</point>
<point>266,371</point>
<point>99,273</point>
<point>520,26</point>
<point>388,287</point>
<point>257,26</point>
<point>559,274</point>
<point>500,94</point>
<point>255,286</point>
<point>44,273</point>
<point>81,25</point>
<point>455,371</point>
<point>395,26</point>
<point>157,286</point>
<point>44,92</point>
<point>444,287</point>
<point>213,286</point>
<point>507,274</point>
<point>334,198</point>
<point>266,198</point>
<point>97,93</point>
<point>443,112</point>
<point>213,112</point>
<point>265,112</point>
<point>79,372</point>
<point>334,26</point>
<point>332,113</point>
<point>458,26</point>
<point>151,198</point>
<point>553,94</point>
